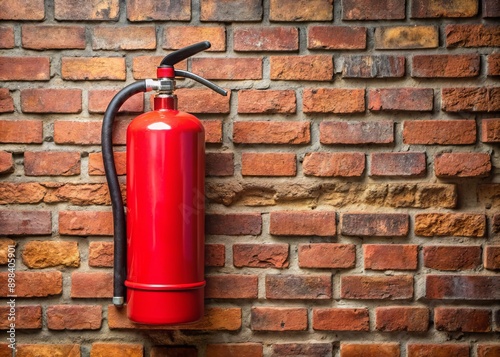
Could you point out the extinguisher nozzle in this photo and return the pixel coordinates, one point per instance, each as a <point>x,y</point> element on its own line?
<point>118,301</point>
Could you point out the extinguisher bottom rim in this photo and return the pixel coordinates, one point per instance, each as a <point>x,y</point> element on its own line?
<point>165,287</point>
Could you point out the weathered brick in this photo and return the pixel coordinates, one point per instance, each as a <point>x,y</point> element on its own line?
<point>22,192</point>
<point>91,285</point>
<point>93,10</point>
<point>327,255</point>
<point>271,132</point>
<point>308,349</point>
<point>232,349</point>
<point>375,224</point>
<point>124,38</point>
<point>86,223</point>
<point>341,319</point>
<point>450,224</point>
<point>441,349</point>
<point>215,255</point>
<point>233,224</point>
<point>402,318</point>
<point>6,101</point>
<point>158,10</point>
<point>266,38</point>
<point>219,164</point>
<point>102,349</point>
<point>176,37</point>
<point>6,246</point>
<point>7,37</point>
<point>336,37</point>
<point>301,10</point>
<point>495,224</point>
<point>47,37</point>
<point>401,99</point>
<point>176,351</point>
<point>231,11</point>
<point>45,350</point>
<point>260,255</point>
<point>397,287</point>
<point>44,254</point>
<point>74,317</point>
<point>470,99</point>
<point>490,130</point>
<point>472,35</point>
<point>381,66</point>
<point>22,10</point>
<point>278,319</point>
<point>491,8</point>
<point>77,132</point>
<point>266,101</point>
<point>302,223</point>
<point>452,257</point>
<point>25,222</point>
<point>99,100</point>
<point>51,163</point>
<point>333,100</point>
<point>492,257</point>
<point>445,66</point>
<point>390,256</point>
<point>439,132</point>
<point>442,8</point>
<point>51,100</point>
<point>213,131</point>
<point>462,319</point>
<point>232,69</point>
<point>326,164</point>
<point>406,37</point>
<point>268,164</point>
<point>302,68</point>
<point>6,162</point>
<point>462,287</point>
<point>101,254</point>
<point>231,286</point>
<point>304,287</point>
<point>93,68</point>
<point>196,100</point>
<point>488,350</point>
<point>356,132</point>
<point>373,10</point>
<point>84,194</point>
<point>462,164</point>
<point>27,68</point>
<point>33,284</point>
<point>384,349</point>
<point>403,164</point>
<point>27,317</point>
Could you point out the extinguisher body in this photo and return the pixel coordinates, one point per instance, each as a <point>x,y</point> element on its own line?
<point>165,217</point>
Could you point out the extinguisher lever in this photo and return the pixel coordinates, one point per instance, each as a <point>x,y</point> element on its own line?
<point>212,86</point>
<point>183,53</point>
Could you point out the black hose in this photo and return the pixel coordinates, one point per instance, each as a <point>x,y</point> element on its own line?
<point>120,227</point>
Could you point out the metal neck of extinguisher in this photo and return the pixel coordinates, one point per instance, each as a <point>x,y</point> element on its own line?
<point>164,85</point>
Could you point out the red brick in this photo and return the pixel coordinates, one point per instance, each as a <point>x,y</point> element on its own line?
<point>213,131</point>
<point>488,350</point>
<point>402,318</point>
<point>231,286</point>
<point>22,10</point>
<point>268,164</point>
<point>176,37</point>
<point>195,100</point>
<point>40,100</point>
<point>219,164</point>
<point>470,99</point>
<point>86,223</point>
<point>6,101</point>
<point>341,319</point>
<point>439,132</point>
<point>302,68</point>
<point>490,130</point>
<point>260,255</point>
<point>403,164</point>
<point>96,165</point>
<point>462,319</point>
<point>175,351</point>
<point>47,37</point>
<point>91,285</point>
<point>6,162</point>
<point>406,37</point>
<point>301,10</point>
<point>327,255</point>
<point>462,164</point>
<point>24,68</point>
<point>77,132</point>
<point>44,254</point>
<point>381,66</point>
<point>266,38</point>
<point>400,99</point>
<point>473,35</point>
<point>452,257</point>
<point>442,8</point>
<point>93,10</point>
<point>438,350</point>
<point>384,349</point>
<point>93,68</point>
<point>445,66</point>
<point>492,257</point>
<point>333,100</point>
<point>302,223</point>
<point>101,254</point>
<point>25,222</point>
<point>373,10</point>
<point>462,287</point>
<point>308,349</point>
<point>99,100</point>
<point>124,38</point>
<point>304,287</point>
<point>21,131</point>
<point>74,317</point>
<point>231,11</point>
<point>336,37</point>
<point>7,37</point>
<point>390,256</point>
<point>450,224</point>
<point>338,164</point>
<point>33,284</point>
<point>356,132</point>
<point>397,287</point>
<point>247,349</point>
<point>375,224</point>
<point>495,224</point>
<point>271,132</point>
<point>232,69</point>
<point>27,317</point>
<point>158,10</point>
<point>266,101</point>
<point>45,350</point>
<point>101,349</point>
<point>215,255</point>
<point>233,224</point>
<point>51,163</point>
<point>278,319</point>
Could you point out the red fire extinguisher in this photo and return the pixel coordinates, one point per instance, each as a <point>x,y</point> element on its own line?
<point>162,239</point>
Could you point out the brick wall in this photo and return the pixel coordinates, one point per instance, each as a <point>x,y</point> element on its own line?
<point>352,184</point>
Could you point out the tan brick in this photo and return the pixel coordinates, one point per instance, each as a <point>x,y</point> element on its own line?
<point>176,37</point>
<point>158,10</point>
<point>22,10</point>
<point>44,254</point>
<point>45,37</point>
<point>93,68</point>
<point>450,224</point>
<point>443,8</point>
<point>406,37</point>
<point>305,68</point>
<point>333,100</point>
<point>373,10</point>
<point>124,38</point>
<point>301,10</point>
<point>93,10</point>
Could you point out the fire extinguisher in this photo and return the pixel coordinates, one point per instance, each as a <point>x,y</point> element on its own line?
<point>162,239</point>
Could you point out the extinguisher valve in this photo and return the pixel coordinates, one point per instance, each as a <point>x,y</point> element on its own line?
<point>161,85</point>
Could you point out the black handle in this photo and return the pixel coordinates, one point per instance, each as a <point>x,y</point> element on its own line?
<point>183,53</point>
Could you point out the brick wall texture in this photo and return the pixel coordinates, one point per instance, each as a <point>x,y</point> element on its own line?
<point>352,189</point>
